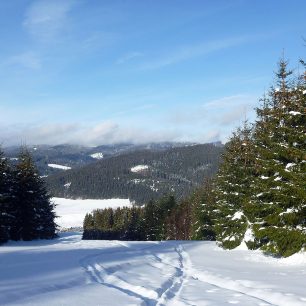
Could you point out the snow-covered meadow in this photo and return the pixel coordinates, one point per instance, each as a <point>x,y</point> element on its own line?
<point>71,213</point>
<point>69,271</point>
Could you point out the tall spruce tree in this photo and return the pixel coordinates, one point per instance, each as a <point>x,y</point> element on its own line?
<point>278,197</point>
<point>35,216</point>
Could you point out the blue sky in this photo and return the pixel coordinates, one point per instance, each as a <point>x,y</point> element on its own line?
<point>97,72</point>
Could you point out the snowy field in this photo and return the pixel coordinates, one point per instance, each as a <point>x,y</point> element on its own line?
<point>71,213</point>
<point>69,271</point>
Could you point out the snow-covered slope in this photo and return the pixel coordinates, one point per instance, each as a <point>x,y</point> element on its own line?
<point>139,168</point>
<point>68,271</point>
<point>98,155</point>
<point>56,166</point>
<point>71,213</point>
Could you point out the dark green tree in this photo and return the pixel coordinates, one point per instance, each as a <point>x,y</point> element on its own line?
<point>204,212</point>
<point>279,193</point>
<point>151,221</point>
<point>232,188</point>
<point>35,216</point>
<point>7,217</point>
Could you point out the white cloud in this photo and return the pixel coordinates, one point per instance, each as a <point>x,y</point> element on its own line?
<point>46,19</point>
<point>106,132</point>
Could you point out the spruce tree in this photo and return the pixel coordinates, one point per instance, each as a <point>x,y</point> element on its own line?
<point>34,211</point>
<point>151,221</point>
<point>7,217</point>
<point>204,212</point>
<point>166,206</point>
<point>232,189</point>
<point>279,196</point>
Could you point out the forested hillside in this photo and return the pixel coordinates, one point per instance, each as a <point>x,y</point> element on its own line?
<point>53,159</point>
<point>141,175</point>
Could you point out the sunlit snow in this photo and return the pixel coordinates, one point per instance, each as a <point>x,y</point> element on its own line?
<point>294,113</point>
<point>139,168</point>
<point>56,166</point>
<point>98,155</point>
<point>237,215</point>
<point>68,271</point>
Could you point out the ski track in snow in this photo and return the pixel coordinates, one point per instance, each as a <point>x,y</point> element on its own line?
<point>161,296</point>
<point>169,293</point>
<point>153,274</point>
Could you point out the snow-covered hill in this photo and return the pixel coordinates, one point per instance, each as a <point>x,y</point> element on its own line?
<point>68,271</point>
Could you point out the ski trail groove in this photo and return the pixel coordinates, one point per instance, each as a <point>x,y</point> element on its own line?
<point>176,282</point>
<point>98,274</point>
<point>105,276</point>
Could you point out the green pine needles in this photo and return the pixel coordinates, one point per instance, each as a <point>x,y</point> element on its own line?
<point>26,211</point>
<point>260,188</point>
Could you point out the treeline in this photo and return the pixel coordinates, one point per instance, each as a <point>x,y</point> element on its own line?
<point>176,170</point>
<point>258,197</point>
<point>161,220</point>
<point>26,212</point>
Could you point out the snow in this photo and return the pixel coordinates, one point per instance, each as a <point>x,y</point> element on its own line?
<point>139,168</point>
<point>293,113</point>
<point>69,271</point>
<point>288,211</point>
<point>249,235</point>
<point>237,215</point>
<point>71,213</point>
<point>67,185</point>
<point>289,166</point>
<point>97,155</point>
<point>138,181</point>
<point>59,167</point>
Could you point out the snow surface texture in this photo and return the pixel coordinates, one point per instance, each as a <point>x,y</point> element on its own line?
<point>72,212</point>
<point>59,167</point>
<point>69,271</point>
<point>98,155</point>
<point>139,168</point>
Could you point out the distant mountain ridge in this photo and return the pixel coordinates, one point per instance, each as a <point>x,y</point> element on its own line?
<point>140,173</point>
<point>75,156</point>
